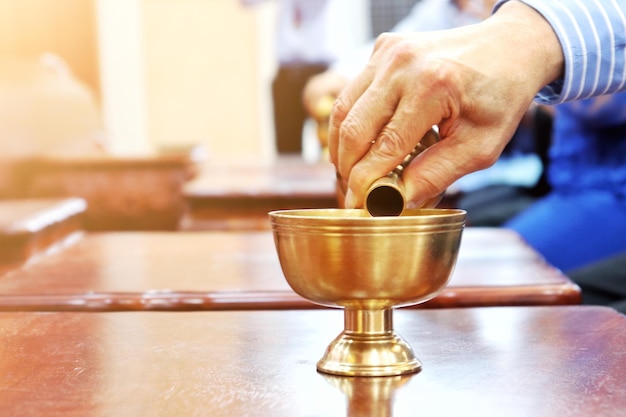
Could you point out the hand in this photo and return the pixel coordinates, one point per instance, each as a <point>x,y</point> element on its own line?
<point>319,88</point>
<point>475,83</point>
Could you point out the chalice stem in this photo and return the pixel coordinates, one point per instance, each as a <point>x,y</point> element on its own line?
<point>368,322</point>
<point>368,346</point>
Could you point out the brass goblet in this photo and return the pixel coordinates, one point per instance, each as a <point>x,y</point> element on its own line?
<point>368,266</point>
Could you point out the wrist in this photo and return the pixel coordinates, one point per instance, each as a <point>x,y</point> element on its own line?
<point>535,43</point>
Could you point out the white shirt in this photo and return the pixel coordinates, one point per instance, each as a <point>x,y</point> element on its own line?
<point>317,31</point>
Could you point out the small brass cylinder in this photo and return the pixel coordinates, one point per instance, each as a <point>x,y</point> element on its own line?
<point>385,197</point>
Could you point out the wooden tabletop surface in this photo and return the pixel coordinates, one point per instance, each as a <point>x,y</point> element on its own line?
<point>32,226</point>
<point>238,196</point>
<point>32,215</point>
<point>240,270</point>
<point>501,361</point>
<point>287,175</point>
<point>123,193</point>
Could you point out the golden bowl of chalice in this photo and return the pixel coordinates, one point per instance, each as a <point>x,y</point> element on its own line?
<point>345,258</point>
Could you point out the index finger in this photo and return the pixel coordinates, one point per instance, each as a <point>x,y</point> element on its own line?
<point>341,109</point>
<point>399,136</point>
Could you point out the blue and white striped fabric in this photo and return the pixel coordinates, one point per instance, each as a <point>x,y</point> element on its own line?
<point>593,37</point>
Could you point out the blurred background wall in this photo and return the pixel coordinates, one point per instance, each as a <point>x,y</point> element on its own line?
<point>67,27</point>
<point>167,74</point>
<point>181,72</point>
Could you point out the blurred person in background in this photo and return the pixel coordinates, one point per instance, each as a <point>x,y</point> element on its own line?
<point>45,110</point>
<point>583,218</point>
<point>603,282</point>
<point>310,34</point>
<point>579,226</point>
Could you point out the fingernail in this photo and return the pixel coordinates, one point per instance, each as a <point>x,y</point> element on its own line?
<point>413,204</point>
<point>349,200</point>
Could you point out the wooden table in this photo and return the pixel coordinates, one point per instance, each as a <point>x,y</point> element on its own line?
<point>239,196</point>
<point>240,270</point>
<point>503,361</point>
<point>31,226</point>
<point>123,193</point>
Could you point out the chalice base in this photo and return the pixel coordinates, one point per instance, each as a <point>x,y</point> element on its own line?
<point>373,355</point>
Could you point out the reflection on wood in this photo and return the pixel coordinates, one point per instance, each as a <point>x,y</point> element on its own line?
<point>510,361</point>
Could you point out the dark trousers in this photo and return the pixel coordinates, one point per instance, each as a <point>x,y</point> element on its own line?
<point>289,112</point>
<point>604,282</point>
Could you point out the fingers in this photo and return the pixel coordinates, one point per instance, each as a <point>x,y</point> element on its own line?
<point>413,82</point>
<point>341,108</point>
<point>396,139</point>
<point>350,137</point>
<point>378,119</point>
<point>355,145</point>
<point>366,138</point>
<point>439,166</point>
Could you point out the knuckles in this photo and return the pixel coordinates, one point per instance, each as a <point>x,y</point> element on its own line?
<point>390,145</point>
<point>484,157</point>
<point>340,110</point>
<point>350,131</point>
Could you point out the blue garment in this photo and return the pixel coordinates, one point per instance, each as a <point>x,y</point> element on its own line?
<point>583,219</point>
<point>593,37</point>
<point>575,229</point>
<point>588,150</point>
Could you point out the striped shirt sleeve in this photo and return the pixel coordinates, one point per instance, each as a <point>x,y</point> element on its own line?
<point>593,37</point>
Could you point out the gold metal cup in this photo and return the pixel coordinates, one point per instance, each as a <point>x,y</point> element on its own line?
<point>368,266</point>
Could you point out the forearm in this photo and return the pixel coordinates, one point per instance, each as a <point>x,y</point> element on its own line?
<point>592,35</point>
<point>530,42</point>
